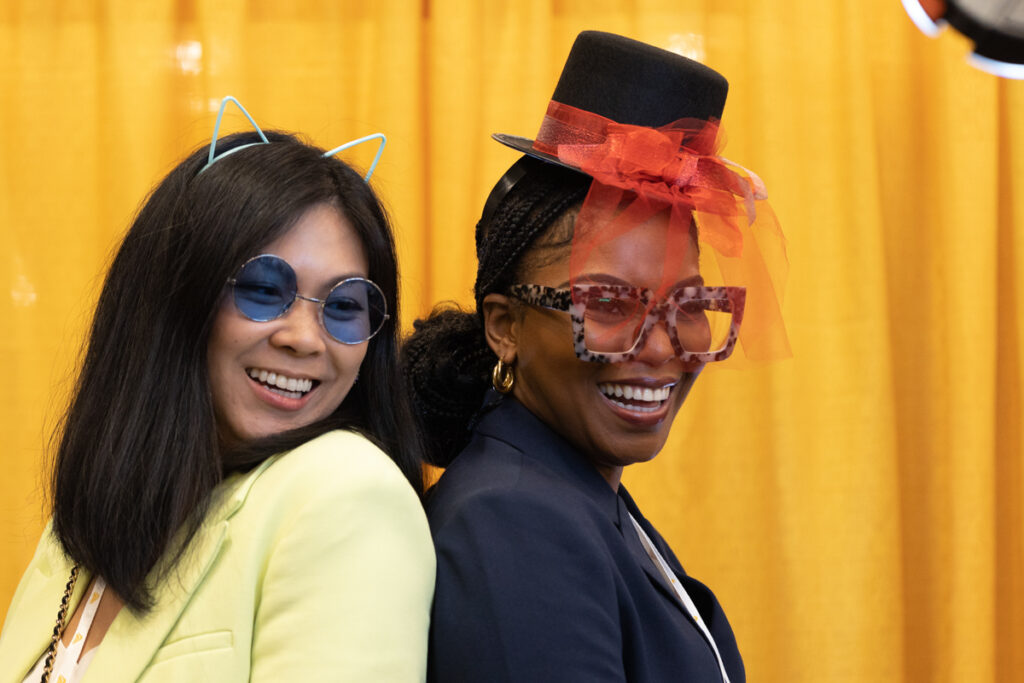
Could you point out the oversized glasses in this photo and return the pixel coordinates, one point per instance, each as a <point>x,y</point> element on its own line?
<point>610,321</point>
<point>352,312</point>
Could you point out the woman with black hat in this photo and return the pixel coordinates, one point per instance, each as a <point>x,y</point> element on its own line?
<point>616,259</point>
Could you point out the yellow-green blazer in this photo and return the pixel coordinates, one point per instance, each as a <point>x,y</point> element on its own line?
<point>317,566</point>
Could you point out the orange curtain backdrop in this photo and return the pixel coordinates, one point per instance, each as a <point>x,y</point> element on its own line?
<point>859,509</point>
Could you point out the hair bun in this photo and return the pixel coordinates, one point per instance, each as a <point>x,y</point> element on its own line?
<point>447,366</point>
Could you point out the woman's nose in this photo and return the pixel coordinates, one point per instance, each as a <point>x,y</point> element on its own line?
<point>656,346</point>
<point>299,330</point>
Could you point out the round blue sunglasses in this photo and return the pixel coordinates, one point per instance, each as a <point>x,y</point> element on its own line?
<point>266,287</point>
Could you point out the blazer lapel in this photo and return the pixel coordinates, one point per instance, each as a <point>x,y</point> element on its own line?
<point>37,603</point>
<point>636,548</point>
<point>508,420</point>
<point>132,640</point>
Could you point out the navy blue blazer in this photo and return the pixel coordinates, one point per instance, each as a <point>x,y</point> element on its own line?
<point>541,575</point>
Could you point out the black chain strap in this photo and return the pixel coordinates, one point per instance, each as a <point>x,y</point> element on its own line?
<point>58,628</point>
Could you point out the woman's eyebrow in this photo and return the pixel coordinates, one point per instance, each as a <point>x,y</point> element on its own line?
<point>604,278</point>
<point>597,278</point>
<point>692,281</point>
<point>325,284</point>
<point>344,276</point>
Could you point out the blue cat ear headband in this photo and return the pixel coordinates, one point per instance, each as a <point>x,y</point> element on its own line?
<point>264,141</point>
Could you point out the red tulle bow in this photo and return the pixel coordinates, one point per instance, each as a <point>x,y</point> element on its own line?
<point>676,164</point>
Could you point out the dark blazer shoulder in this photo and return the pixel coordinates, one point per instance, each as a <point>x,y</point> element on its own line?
<point>495,474</point>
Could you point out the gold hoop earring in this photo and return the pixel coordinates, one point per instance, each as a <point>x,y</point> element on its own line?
<point>502,378</point>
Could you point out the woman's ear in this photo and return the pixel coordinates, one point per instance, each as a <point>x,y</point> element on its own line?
<point>501,326</point>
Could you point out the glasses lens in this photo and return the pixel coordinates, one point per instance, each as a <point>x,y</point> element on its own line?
<point>612,321</point>
<point>701,326</point>
<point>354,311</point>
<point>264,288</point>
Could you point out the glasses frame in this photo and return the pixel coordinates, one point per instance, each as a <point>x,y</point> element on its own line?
<point>322,302</point>
<point>571,300</point>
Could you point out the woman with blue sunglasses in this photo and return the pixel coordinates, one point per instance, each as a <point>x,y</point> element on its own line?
<point>235,493</point>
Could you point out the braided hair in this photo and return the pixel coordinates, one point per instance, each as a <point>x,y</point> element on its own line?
<point>446,360</point>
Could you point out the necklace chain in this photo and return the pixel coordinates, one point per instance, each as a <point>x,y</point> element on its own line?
<point>58,628</point>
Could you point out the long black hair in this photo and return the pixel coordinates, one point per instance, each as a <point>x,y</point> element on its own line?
<point>138,454</point>
<point>446,360</point>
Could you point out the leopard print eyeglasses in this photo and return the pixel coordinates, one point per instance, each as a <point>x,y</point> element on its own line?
<point>610,322</point>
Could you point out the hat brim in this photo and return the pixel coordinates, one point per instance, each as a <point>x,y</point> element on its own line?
<point>525,145</point>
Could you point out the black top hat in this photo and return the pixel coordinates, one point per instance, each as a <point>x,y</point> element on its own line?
<point>632,83</point>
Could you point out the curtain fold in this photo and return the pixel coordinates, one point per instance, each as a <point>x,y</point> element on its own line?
<point>858,509</point>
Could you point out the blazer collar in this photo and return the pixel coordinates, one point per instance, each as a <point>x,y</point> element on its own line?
<point>131,641</point>
<point>636,548</point>
<point>508,420</point>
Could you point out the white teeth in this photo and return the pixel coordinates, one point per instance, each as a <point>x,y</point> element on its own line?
<point>290,386</point>
<point>636,408</point>
<point>636,393</point>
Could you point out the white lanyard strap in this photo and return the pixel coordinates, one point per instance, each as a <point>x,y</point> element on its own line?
<point>85,623</point>
<point>681,593</point>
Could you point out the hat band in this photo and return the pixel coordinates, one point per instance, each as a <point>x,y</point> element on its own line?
<point>567,125</point>
<point>564,124</point>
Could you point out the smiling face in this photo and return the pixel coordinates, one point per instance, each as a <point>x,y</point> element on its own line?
<point>614,413</point>
<point>270,377</point>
